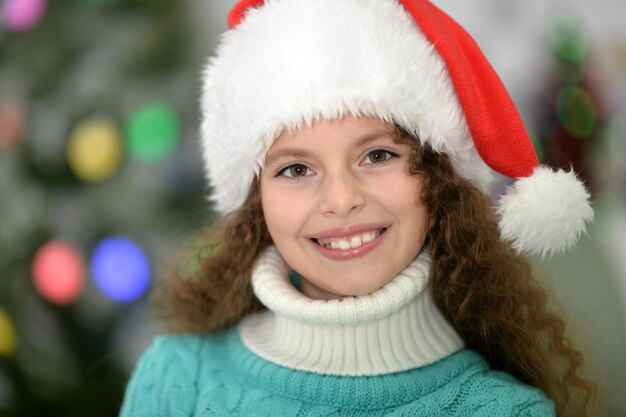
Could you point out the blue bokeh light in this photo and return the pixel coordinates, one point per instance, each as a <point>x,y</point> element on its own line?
<point>120,269</point>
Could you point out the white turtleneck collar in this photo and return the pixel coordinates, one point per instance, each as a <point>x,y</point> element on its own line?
<point>395,328</point>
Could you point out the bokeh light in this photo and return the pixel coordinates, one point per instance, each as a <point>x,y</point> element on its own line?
<point>152,132</point>
<point>576,112</point>
<point>8,335</point>
<point>11,125</point>
<point>22,15</point>
<point>58,272</point>
<point>94,151</point>
<point>568,38</point>
<point>120,269</point>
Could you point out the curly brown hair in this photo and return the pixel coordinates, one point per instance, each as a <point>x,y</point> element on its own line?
<point>485,289</point>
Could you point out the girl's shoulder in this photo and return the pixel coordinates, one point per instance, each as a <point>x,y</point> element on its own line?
<point>171,365</point>
<point>181,352</point>
<point>489,392</point>
<point>186,345</point>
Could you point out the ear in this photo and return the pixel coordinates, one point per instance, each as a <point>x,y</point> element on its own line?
<point>238,12</point>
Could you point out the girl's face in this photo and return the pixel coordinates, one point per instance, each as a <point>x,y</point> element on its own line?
<point>341,207</point>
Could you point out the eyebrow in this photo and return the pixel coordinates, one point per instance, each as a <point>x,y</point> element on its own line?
<point>372,136</point>
<point>289,153</point>
<point>298,153</point>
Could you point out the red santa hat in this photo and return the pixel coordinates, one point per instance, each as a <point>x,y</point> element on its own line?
<point>285,63</point>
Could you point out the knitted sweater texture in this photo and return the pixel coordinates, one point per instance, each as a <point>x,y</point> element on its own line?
<point>216,375</point>
<point>390,353</point>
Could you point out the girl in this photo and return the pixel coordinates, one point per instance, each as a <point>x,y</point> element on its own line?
<point>358,268</point>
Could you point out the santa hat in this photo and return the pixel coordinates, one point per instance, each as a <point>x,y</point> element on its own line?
<point>286,63</point>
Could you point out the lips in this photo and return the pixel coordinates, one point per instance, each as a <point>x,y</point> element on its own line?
<point>349,242</point>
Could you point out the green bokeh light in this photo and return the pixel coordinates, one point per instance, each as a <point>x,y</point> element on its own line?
<point>576,112</point>
<point>152,132</point>
<point>568,38</point>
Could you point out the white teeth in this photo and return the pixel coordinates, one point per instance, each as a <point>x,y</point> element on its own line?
<point>353,242</point>
<point>344,244</point>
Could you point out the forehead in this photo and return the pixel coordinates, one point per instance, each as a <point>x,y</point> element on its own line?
<point>348,130</point>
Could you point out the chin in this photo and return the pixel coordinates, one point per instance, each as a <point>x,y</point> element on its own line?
<point>360,290</point>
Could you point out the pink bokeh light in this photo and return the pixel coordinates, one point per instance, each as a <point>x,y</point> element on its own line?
<point>22,15</point>
<point>58,272</point>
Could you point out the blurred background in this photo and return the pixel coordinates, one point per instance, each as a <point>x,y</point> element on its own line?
<point>101,180</point>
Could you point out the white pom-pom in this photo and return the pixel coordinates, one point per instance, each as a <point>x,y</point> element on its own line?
<point>545,213</point>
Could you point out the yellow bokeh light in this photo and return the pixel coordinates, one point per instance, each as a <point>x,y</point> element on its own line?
<point>94,151</point>
<point>8,337</point>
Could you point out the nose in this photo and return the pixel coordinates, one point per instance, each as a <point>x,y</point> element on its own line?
<point>341,194</point>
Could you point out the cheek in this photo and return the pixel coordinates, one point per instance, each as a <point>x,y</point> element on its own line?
<point>420,228</point>
<point>418,217</point>
<point>414,223</point>
<point>282,211</point>
<point>272,211</point>
<point>406,202</point>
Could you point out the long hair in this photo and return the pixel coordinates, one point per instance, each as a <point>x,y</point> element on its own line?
<point>487,291</point>
<point>208,288</point>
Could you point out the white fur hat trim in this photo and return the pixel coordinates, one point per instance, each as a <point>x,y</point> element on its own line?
<point>288,63</point>
<point>545,213</point>
<point>291,62</point>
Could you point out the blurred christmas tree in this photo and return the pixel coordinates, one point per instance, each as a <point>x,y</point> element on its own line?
<point>572,112</point>
<point>100,180</point>
<point>578,125</point>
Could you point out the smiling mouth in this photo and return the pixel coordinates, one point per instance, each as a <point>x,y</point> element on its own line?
<point>349,242</point>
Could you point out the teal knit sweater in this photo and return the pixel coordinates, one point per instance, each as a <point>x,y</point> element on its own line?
<point>216,375</point>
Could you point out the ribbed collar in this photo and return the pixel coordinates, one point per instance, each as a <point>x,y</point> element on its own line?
<point>396,328</point>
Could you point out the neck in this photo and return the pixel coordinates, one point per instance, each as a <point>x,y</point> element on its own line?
<point>396,328</point>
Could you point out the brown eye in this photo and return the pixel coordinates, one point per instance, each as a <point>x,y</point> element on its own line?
<point>378,156</point>
<point>295,171</point>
